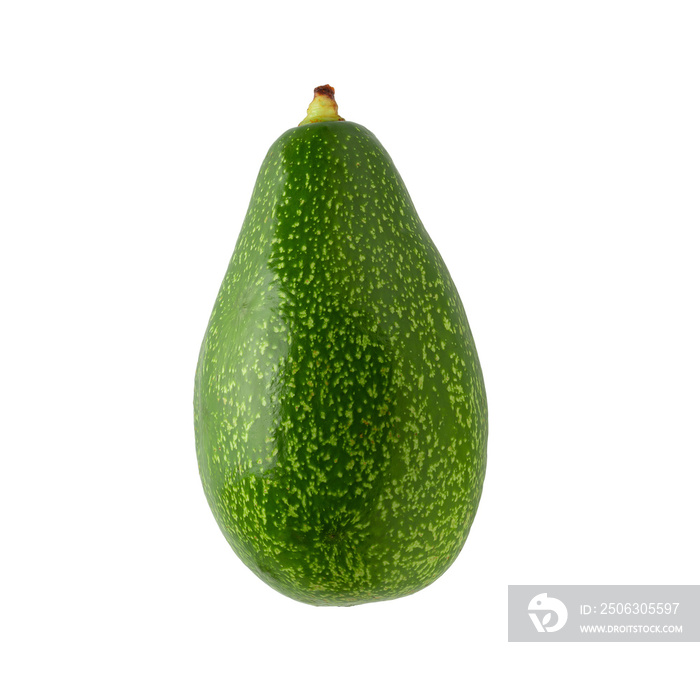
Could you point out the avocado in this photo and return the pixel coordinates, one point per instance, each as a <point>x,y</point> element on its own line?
<point>340,410</point>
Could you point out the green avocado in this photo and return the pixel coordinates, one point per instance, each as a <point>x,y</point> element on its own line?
<point>340,411</point>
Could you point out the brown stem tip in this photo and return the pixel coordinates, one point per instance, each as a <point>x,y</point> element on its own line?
<point>326,90</point>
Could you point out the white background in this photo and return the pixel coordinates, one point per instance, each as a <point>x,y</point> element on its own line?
<point>552,150</point>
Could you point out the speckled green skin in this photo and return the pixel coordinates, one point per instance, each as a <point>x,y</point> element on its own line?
<point>340,411</point>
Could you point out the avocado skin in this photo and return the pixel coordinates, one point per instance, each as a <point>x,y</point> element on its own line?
<point>340,410</point>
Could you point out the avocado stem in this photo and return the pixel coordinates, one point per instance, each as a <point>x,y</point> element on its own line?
<point>323,107</point>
